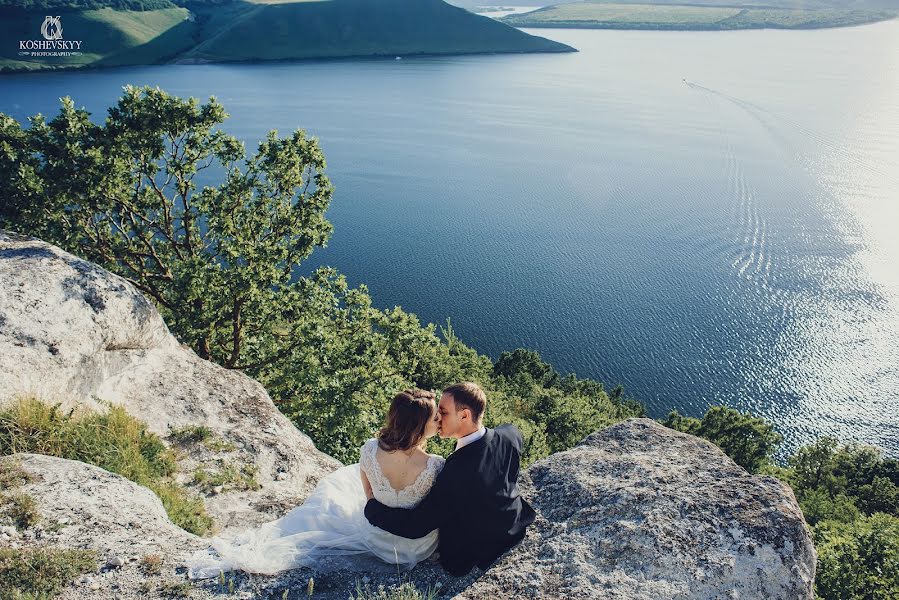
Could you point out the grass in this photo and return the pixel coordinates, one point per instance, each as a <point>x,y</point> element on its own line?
<point>404,591</point>
<point>228,477</point>
<point>114,441</point>
<point>191,434</point>
<point>601,15</point>
<point>12,475</point>
<point>176,589</point>
<point>16,507</point>
<point>200,434</point>
<point>41,572</point>
<point>20,509</point>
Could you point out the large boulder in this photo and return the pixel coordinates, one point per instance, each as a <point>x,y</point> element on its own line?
<point>75,334</point>
<point>640,511</point>
<point>85,507</point>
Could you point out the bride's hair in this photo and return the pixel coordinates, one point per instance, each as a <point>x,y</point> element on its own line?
<point>407,418</point>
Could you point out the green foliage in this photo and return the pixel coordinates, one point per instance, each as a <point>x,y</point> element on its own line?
<point>848,494</point>
<point>217,261</point>
<point>553,412</point>
<point>750,441</point>
<point>191,434</point>
<point>827,472</point>
<point>114,441</point>
<point>858,559</point>
<point>200,434</point>
<point>41,572</point>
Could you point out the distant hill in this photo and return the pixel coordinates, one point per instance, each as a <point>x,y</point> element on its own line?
<point>705,14</point>
<point>781,4</point>
<point>358,28</point>
<point>161,32</point>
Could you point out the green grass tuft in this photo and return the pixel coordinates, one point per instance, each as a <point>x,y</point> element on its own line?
<point>16,507</point>
<point>41,572</point>
<point>200,434</point>
<point>114,441</point>
<point>228,477</point>
<point>404,591</point>
<point>20,509</point>
<point>191,434</point>
<point>176,589</point>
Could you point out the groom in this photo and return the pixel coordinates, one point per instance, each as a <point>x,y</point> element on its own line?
<point>475,501</point>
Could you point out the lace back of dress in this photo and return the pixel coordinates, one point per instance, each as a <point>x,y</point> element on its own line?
<point>384,493</point>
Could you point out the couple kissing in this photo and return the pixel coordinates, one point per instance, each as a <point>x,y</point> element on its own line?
<point>399,505</point>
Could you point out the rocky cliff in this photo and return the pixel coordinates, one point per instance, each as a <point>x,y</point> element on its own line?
<point>636,511</point>
<point>73,333</point>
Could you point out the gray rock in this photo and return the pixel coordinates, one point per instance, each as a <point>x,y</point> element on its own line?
<point>101,338</point>
<point>109,515</point>
<point>639,511</point>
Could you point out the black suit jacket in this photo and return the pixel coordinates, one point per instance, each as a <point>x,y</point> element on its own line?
<point>474,502</point>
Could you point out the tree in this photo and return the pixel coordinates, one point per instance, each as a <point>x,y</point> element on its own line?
<point>750,441</point>
<point>219,261</point>
<point>858,560</point>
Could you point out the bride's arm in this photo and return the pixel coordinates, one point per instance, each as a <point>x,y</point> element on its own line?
<point>366,485</point>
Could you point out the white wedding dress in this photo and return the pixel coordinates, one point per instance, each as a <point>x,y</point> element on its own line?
<point>329,530</point>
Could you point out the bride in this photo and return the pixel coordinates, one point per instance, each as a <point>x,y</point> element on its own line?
<point>329,530</point>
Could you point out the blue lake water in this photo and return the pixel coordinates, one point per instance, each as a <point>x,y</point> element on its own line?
<point>728,239</point>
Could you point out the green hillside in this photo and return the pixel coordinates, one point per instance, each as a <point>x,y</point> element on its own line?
<point>248,31</point>
<point>697,16</point>
<point>341,28</point>
<point>108,37</point>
